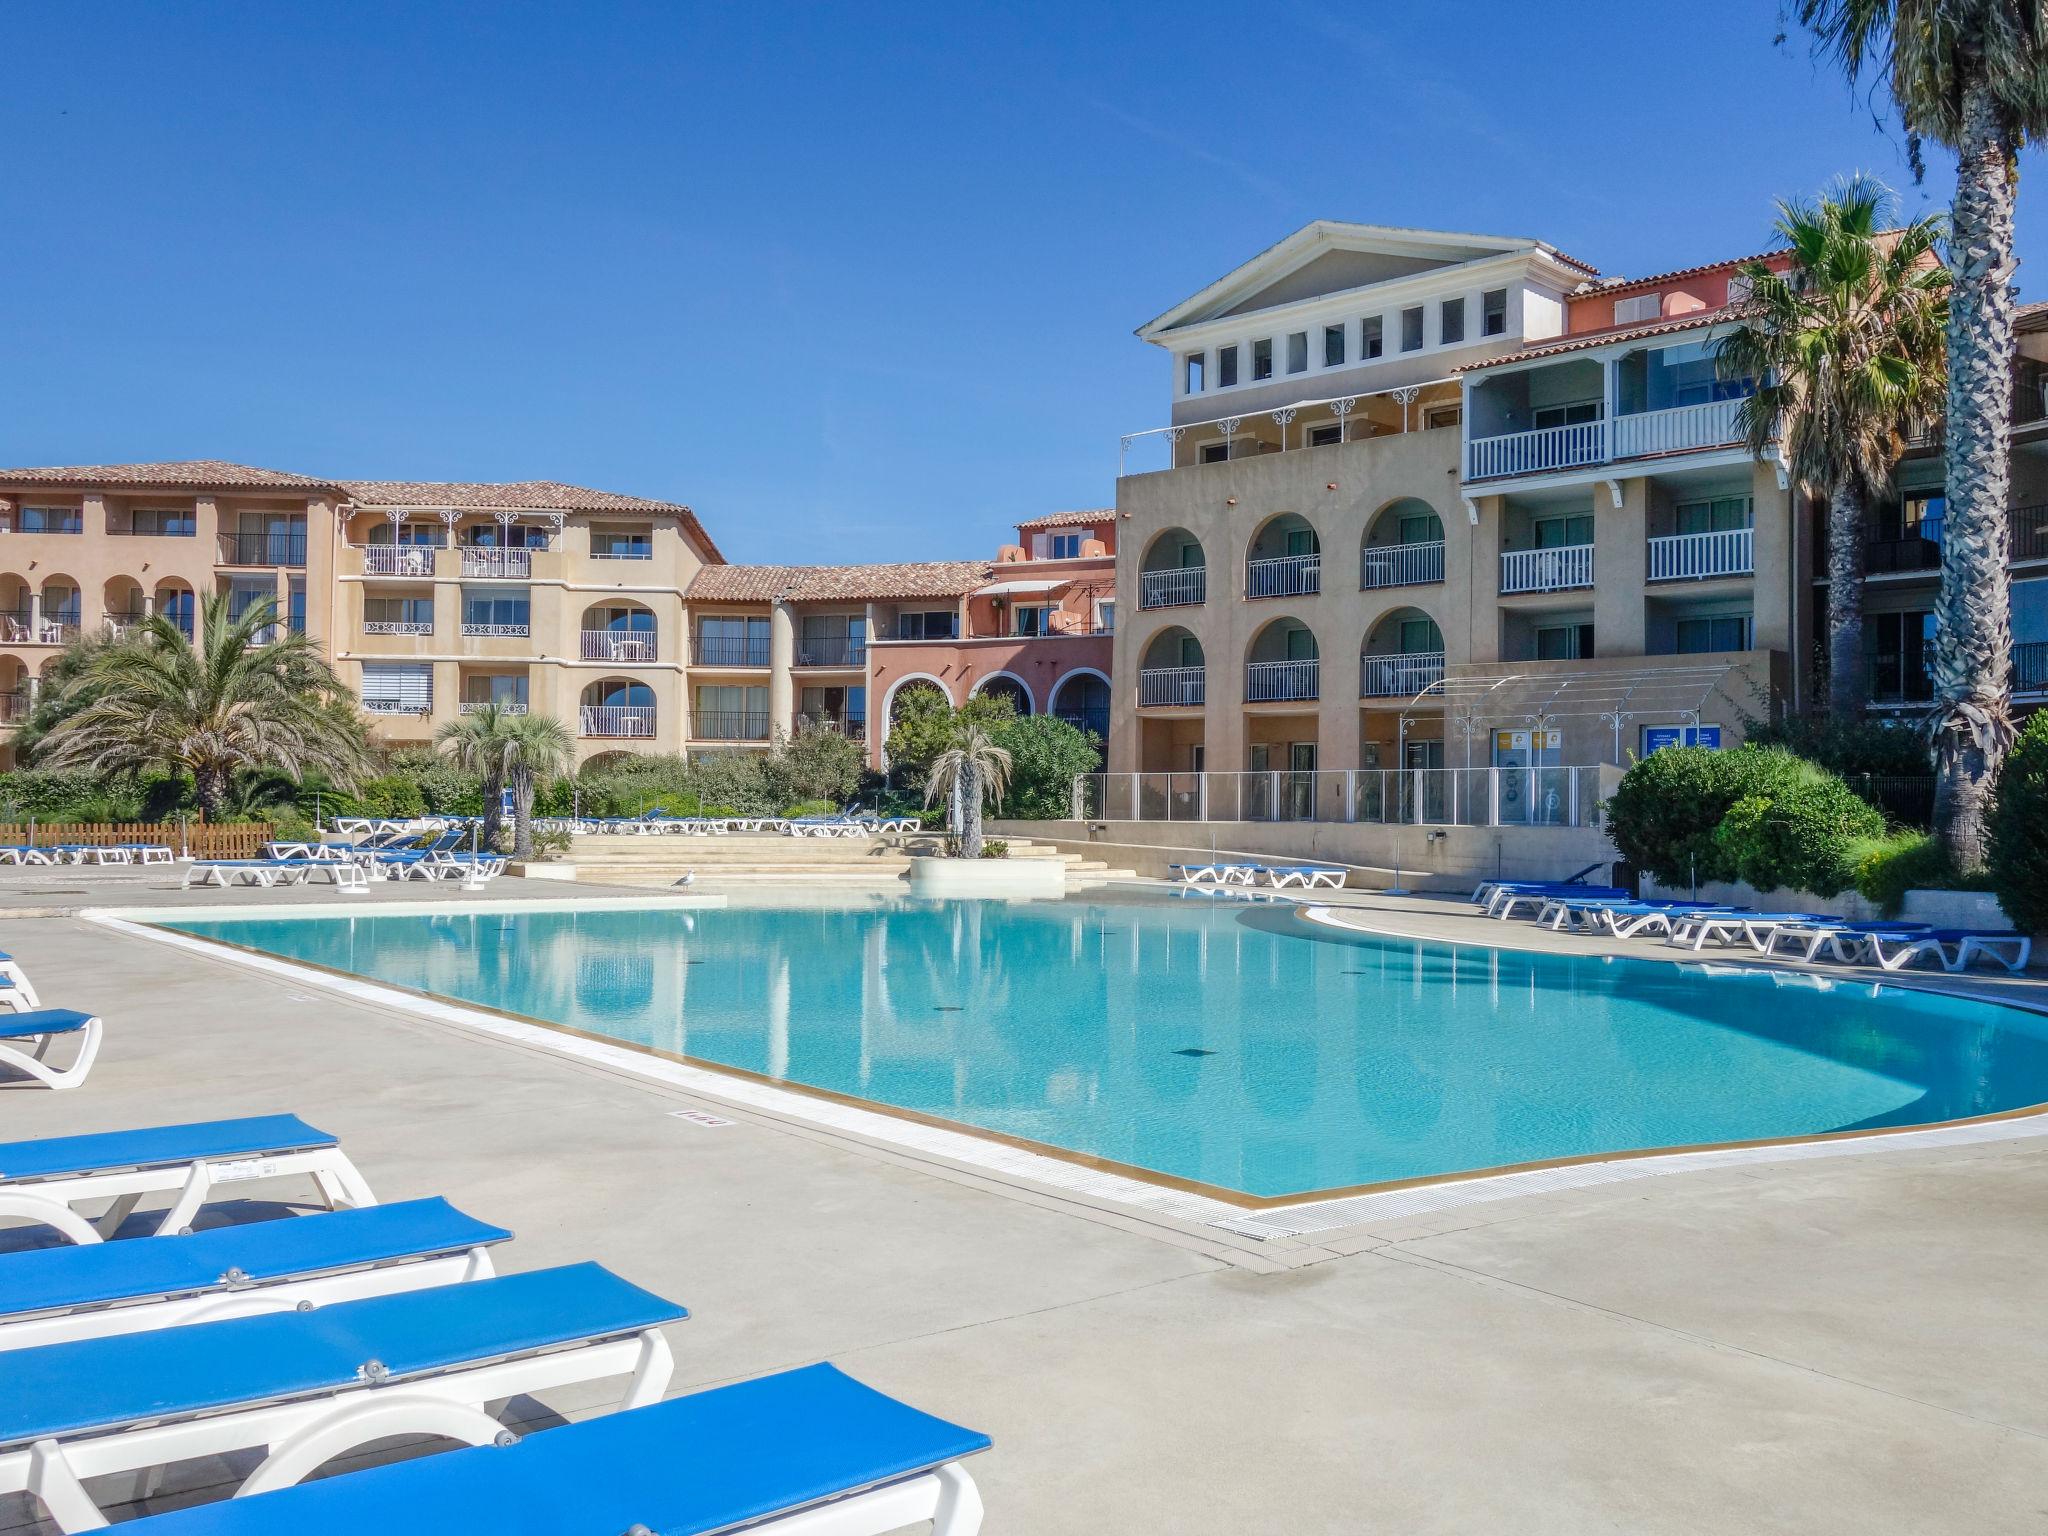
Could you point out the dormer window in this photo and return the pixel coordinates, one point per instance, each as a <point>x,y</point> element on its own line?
<point>1333,346</point>
<point>1644,306</point>
<point>1262,360</point>
<point>1192,368</point>
<point>1493,312</point>
<point>1064,546</point>
<point>1372,338</point>
<point>1411,329</point>
<point>1450,329</point>
<point>1297,352</point>
<point>1226,367</point>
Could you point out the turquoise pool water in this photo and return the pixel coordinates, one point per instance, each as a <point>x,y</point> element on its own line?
<point>1230,1045</point>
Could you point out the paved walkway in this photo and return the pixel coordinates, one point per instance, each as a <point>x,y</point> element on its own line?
<point>1849,1345</point>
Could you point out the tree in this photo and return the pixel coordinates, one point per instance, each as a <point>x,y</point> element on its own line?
<point>242,697</point>
<point>1045,754</point>
<point>1846,349</point>
<point>1971,75</point>
<point>477,743</point>
<point>536,748</point>
<point>971,770</point>
<point>924,722</point>
<point>817,763</point>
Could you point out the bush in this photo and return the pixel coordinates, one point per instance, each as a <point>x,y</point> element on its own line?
<point>1799,836</point>
<point>1848,747</point>
<point>1887,867</point>
<point>390,795</point>
<point>444,789</point>
<point>1045,754</point>
<point>994,848</point>
<point>810,808</point>
<point>815,764</point>
<point>2018,861</point>
<point>923,725</point>
<point>733,779</point>
<point>1667,808</point>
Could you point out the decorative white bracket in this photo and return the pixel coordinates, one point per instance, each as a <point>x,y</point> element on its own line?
<point>1471,510</point>
<point>1614,490</point>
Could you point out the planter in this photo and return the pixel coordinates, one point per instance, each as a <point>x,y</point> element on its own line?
<point>1024,878</point>
<point>538,871</point>
<point>1942,909</point>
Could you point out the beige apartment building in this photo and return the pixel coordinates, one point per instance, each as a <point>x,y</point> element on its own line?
<point>1440,524</point>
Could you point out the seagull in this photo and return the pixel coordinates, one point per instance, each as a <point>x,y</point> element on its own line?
<point>688,877</point>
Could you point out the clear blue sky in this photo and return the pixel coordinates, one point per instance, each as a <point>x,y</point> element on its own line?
<point>855,282</point>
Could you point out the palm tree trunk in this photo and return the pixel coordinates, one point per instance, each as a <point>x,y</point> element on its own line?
<point>494,804</point>
<point>522,815</point>
<point>1973,612</point>
<point>970,793</point>
<point>1848,686</point>
<point>210,789</point>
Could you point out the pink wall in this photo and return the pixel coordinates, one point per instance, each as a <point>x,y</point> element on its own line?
<point>959,665</point>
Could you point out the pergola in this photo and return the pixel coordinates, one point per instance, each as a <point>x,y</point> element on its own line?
<point>1479,702</point>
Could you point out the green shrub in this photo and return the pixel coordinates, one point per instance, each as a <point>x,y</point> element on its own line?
<point>817,763</point>
<point>1799,835</point>
<point>390,795</point>
<point>1045,754</point>
<point>810,808</point>
<point>1848,747</point>
<point>734,779</point>
<point>444,789</point>
<point>994,848</point>
<point>1667,808</point>
<point>2018,859</point>
<point>1887,867</point>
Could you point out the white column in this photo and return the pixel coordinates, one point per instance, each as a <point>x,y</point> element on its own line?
<point>781,658</point>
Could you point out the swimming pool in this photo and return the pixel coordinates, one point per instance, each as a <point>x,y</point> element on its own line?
<point>1213,1043</point>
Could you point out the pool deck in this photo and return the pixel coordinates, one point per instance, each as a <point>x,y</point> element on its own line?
<point>1845,1344</point>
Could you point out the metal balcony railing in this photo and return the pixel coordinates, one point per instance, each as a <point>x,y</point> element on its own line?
<point>730,651</point>
<point>1169,686</point>
<point>1698,556</point>
<point>506,564</point>
<point>1182,587</point>
<point>633,645</point>
<point>2030,666</point>
<point>853,727</point>
<point>1271,681</point>
<point>616,719</point>
<point>1402,675</point>
<point>390,706</point>
<point>1094,721</point>
<point>1547,570</point>
<point>274,548</point>
<point>415,560</point>
<point>1284,576</point>
<point>1529,453</point>
<point>1400,565</point>
<point>1893,557</point>
<point>832,651</point>
<point>730,725</point>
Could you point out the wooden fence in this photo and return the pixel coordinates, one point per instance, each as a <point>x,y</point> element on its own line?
<point>203,839</point>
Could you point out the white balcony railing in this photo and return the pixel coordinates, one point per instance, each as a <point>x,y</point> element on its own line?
<point>398,560</point>
<point>1529,453</point>
<point>1284,576</point>
<point>1402,675</point>
<point>1697,556</point>
<point>513,564</point>
<point>398,626</point>
<point>1180,588</point>
<point>1677,430</point>
<point>1268,681</point>
<point>618,645</point>
<point>496,631</point>
<point>617,720</point>
<point>1401,565</point>
<point>505,707</point>
<point>1547,570</point>
<point>1172,685</point>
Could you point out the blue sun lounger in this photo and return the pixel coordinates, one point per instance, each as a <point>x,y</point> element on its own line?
<point>303,1388</point>
<point>92,1290</point>
<point>1954,949</point>
<point>15,989</point>
<point>810,1450</point>
<point>43,1181</point>
<point>26,1038</point>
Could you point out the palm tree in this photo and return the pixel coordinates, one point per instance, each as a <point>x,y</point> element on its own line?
<point>477,743</point>
<point>536,748</point>
<point>238,699</point>
<point>1971,75</point>
<point>973,769</point>
<point>1846,349</point>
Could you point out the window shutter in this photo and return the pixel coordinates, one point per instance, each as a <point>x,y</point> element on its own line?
<point>398,688</point>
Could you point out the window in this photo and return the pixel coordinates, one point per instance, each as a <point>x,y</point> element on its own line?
<point>242,596</point>
<point>1721,515</point>
<point>1564,642</point>
<point>1421,636</point>
<point>1565,415</point>
<point>843,708</point>
<point>1411,329</point>
<point>398,688</point>
<point>1563,532</point>
<point>732,642</point>
<point>1105,616</point>
<point>163,522</point>
<point>1899,645</point>
<point>1297,352</point>
<point>1493,312</point>
<point>621,544</point>
<point>941,624</point>
<point>398,615</point>
<point>494,535</point>
<point>1301,645</point>
<point>51,520</point>
<point>1713,632</point>
<point>1371,338</point>
<point>1921,514</point>
<point>1738,288</point>
<point>1192,368</point>
<point>1442,415</point>
<point>1262,360</point>
<point>1333,346</point>
<point>1032,618</point>
<point>412,535</point>
<point>1326,434</point>
<point>1064,546</point>
<point>506,690</point>
<point>1450,325</point>
<point>1644,306</point>
<point>832,640</point>
<point>730,713</point>
<point>490,611</point>
<point>1226,367</point>
<point>1216,453</point>
<point>1419,528</point>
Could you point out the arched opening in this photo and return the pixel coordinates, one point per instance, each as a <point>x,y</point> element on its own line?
<point>63,610</point>
<point>1002,685</point>
<point>1281,663</point>
<point>14,689</point>
<point>1284,558</point>
<point>1404,546</point>
<point>1171,670</point>
<point>1282,668</point>
<point>176,602</point>
<point>1173,572</point>
<point>1403,653</point>
<point>619,630</point>
<point>17,608</point>
<point>121,598</point>
<point>617,706</point>
<point>1082,700</point>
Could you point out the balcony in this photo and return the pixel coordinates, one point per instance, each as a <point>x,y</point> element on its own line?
<point>1680,429</point>
<point>1284,576</point>
<point>635,720</point>
<point>391,706</point>
<point>1267,682</point>
<point>623,552</point>
<point>1633,435</point>
<point>627,645</point>
<point>1170,687</point>
<point>500,564</point>
<point>19,626</point>
<point>476,631</point>
<point>2030,666</point>
<point>832,651</point>
<point>1094,721</point>
<point>1400,676</point>
<point>1546,570</point>
<point>1537,452</point>
<point>1180,588</point>
<point>398,626</point>
<point>852,727</point>
<point>120,625</point>
<point>726,725</point>
<point>1702,556</point>
<point>287,549</point>
<point>1400,565</point>
<point>1899,557</point>
<point>414,560</point>
<point>503,706</point>
<point>730,651</point>
<point>14,707</point>
<point>2029,533</point>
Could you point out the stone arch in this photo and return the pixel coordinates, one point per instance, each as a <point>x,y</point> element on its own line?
<point>1019,691</point>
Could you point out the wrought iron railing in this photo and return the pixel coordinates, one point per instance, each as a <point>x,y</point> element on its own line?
<point>508,564</point>
<point>832,651</point>
<point>627,645</point>
<point>1284,576</point>
<point>1400,565</point>
<point>1475,797</point>
<point>415,560</point>
<point>729,725</point>
<point>730,651</point>
<point>263,548</point>
<point>1181,587</point>
<point>1170,686</point>
<point>616,719</point>
<point>1272,681</point>
<point>1401,675</point>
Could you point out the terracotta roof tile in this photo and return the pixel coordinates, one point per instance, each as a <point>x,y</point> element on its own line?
<point>1609,286</point>
<point>1070,519</point>
<point>836,583</point>
<point>522,495</point>
<point>186,474</point>
<point>1586,339</point>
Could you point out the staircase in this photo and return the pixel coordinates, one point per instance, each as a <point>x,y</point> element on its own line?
<point>748,857</point>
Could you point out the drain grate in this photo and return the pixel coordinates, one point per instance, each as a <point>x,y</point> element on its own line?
<point>1193,1050</point>
<point>947,1008</point>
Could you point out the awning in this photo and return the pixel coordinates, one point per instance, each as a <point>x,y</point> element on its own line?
<point>1018,588</point>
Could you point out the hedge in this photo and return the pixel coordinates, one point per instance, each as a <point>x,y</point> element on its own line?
<point>2018,855</point>
<point>1668,807</point>
<point>1800,836</point>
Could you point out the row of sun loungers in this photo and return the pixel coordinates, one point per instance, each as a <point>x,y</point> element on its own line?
<point>87,853</point>
<point>290,1343</point>
<point>715,826</point>
<point>32,1036</point>
<point>1278,876</point>
<point>1808,936</point>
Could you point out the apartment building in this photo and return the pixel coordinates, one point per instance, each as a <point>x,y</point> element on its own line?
<point>616,614</point>
<point>1441,502</point>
